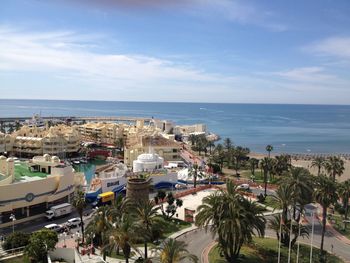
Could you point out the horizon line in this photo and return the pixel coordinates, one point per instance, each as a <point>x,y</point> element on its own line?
<point>183,102</point>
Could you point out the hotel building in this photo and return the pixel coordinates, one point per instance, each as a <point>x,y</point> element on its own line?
<point>28,189</point>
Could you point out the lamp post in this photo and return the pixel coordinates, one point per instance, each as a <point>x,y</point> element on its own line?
<point>312,234</point>
<point>13,218</point>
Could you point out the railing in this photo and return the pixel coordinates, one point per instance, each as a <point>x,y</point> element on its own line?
<point>11,252</point>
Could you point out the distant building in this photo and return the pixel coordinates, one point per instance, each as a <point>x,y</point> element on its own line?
<point>148,162</point>
<point>28,141</point>
<point>166,148</point>
<point>107,133</point>
<point>186,130</point>
<point>28,189</point>
<point>164,125</point>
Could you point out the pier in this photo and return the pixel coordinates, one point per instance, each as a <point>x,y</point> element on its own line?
<point>75,118</point>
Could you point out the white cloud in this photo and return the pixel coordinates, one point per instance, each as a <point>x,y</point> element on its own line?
<point>241,12</point>
<point>306,74</point>
<point>72,53</point>
<point>68,65</point>
<point>335,46</point>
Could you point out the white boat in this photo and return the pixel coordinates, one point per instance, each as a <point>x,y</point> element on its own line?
<point>36,121</point>
<point>114,179</point>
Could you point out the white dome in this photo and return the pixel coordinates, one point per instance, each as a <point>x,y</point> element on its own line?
<point>148,157</point>
<point>55,159</point>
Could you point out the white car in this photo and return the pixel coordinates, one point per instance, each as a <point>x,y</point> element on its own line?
<point>74,222</point>
<point>54,227</point>
<point>243,187</point>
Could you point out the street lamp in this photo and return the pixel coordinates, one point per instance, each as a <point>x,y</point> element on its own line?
<point>13,218</point>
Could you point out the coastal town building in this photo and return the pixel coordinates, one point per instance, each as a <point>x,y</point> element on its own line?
<point>28,141</point>
<point>5,140</point>
<point>28,189</point>
<point>148,162</point>
<point>165,148</point>
<point>186,130</point>
<point>107,133</point>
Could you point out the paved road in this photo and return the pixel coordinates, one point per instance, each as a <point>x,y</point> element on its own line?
<point>198,240</point>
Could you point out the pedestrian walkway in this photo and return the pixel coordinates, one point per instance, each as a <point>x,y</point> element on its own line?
<point>330,228</point>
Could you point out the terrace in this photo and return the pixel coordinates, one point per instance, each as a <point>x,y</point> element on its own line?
<point>23,173</point>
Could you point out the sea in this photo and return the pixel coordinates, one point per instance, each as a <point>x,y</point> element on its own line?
<point>305,129</point>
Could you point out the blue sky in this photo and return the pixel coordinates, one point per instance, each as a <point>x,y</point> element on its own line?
<point>186,50</point>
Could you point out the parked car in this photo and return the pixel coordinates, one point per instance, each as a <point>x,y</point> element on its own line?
<point>245,187</point>
<point>54,227</point>
<point>74,222</point>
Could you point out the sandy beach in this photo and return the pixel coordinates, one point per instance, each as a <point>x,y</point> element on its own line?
<point>305,161</point>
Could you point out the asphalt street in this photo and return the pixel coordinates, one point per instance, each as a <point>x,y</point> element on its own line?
<point>198,240</point>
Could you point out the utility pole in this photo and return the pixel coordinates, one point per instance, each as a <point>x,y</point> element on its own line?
<point>13,218</point>
<point>279,241</point>
<point>312,235</point>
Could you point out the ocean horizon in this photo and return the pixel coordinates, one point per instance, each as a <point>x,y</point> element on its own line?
<point>290,128</point>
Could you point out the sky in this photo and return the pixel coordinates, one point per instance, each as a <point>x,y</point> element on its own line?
<point>230,51</point>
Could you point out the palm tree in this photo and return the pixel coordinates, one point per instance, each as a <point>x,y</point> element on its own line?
<point>283,200</point>
<point>239,155</point>
<point>175,251</point>
<point>219,155</point>
<point>325,194</point>
<point>298,230</point>
<point>195,171</point>
<point>269,149</point>
<point>334,166</point>
<point>253,164</point>
<point>282,164</point>
<point>300,182</point>
<point>344,192</point>
<point>79,203</point>
<point>211,145</point>
<point>227,144</point>
<point>319,163</point>
<point>100,226</point>
<point>232,217</point>
<point>146,212</point>
<point>124,236</point>
<point>265,164</point>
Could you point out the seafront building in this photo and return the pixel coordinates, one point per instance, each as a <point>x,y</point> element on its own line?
<point>28,189</point>
<point>166,148</point>
<point>65,141</point>
<point>29,141</point>
<point>148,162</point>
<point>106,133</point>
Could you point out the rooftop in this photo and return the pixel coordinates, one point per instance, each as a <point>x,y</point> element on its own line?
<point>23,174</point>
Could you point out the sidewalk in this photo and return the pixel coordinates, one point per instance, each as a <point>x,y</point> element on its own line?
<point>330,228</point>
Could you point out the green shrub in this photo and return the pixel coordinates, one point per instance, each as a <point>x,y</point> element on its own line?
<point>15,240</point>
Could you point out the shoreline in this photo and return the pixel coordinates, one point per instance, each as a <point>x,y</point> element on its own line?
<point>301,156</point>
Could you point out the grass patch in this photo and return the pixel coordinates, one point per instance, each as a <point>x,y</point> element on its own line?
<point>269,201</point>
<point>174,225</point>
<point>265,250</point>
<point>259,176</point>
<point>337,223</point>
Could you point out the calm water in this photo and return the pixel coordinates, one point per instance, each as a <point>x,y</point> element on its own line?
<point>289,128</point>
